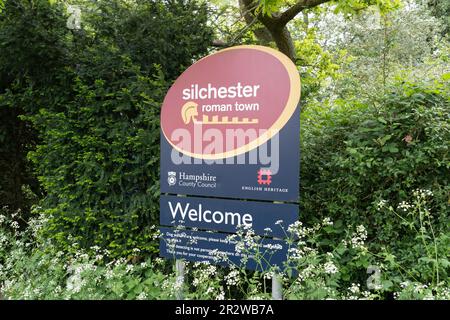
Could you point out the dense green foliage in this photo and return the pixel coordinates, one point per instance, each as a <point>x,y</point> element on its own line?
<point>170,34</point>
<point>31,267</point>
<point>103,190</point>
<point>374,153</point>
<point>31,51</point>
<point>357,157</point>
<point>94,100</point>
<point>18,186</point>
<point>35,269</point>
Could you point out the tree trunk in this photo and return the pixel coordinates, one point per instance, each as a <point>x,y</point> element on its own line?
<point>277,29</point>
<point>262,34</point>
<point>283,40</point>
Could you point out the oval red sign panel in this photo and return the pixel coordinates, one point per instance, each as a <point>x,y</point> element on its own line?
<point>230,102</point>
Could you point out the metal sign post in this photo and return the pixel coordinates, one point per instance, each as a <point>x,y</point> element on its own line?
<point>179,284</point>
<point>277,288</point>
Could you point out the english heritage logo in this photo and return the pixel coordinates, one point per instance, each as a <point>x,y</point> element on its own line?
<point>172,178</point>
<point>264,177</point>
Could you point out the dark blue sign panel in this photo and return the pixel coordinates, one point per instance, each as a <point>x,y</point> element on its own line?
<point>268,219</point>
<point>217,248</point>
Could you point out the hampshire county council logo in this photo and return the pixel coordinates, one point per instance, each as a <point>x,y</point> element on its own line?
<point>171,179</point>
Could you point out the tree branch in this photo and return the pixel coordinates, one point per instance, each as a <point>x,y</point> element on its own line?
<point>248,26</point>
<point>248,8</point>
<point>276,22</point>
<point>295,9</point>
<point>218,43</point>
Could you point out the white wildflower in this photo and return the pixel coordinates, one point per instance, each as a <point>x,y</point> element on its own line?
<point>404,284</point>
<point>354,288</point>
<point>405,206</point>
<point>178,285</point>
<point>210,271</point>
<point>196,282</point>
<point>330,267</point>
<point>381,204</point>
<point>75,283</point>
<point>142,296</point>
<point>232,278</point>
<point>15,225</point>
<point>359,237</point>
<point>109,274</point>
<point>129,268</point>
<point>295,253</point>
<point>16,213</point>
<point>95,248</point>
<point>221,296</point>
<point>429,296</point>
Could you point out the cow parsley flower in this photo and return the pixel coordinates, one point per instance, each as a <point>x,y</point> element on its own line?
<point>359,237</point>
<point>196,282</point>
<point>327,221</point>
<point>129,268</point>
<point>354,288</point>
<point>330,268</point>
<point>381,204</point>
<point>178,285</point>
<point>232,278</point>
<point>142,296</point>
<point>221,295</point>
<point>15,225</point>
<point>405,206</point>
